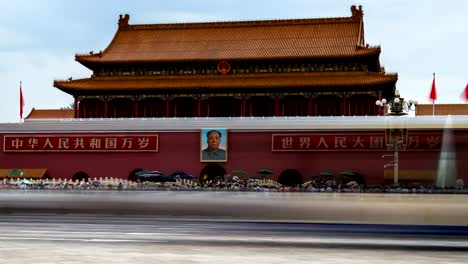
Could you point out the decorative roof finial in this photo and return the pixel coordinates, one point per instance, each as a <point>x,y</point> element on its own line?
<point>123,21</point>
<point>356,11</point>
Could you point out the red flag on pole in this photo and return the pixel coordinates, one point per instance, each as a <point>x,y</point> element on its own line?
<point>433,95</point>
<point>465,96</point>
<point>21,102</point>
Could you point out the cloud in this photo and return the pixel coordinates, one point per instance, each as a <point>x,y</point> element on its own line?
<point>37,72</point>
<point>13,39</point>
<point>179,17</point>
<point>40,38</point>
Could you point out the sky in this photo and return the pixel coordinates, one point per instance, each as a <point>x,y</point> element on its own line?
<point>39,39</point>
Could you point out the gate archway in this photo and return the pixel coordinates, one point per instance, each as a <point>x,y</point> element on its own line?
<point>132,175</point>
<point>211,171</point>
<point>80,176</point>
<point>290,177</point>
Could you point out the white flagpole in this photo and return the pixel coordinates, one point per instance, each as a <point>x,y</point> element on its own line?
<point>21,101</point>
<point>433,99</point>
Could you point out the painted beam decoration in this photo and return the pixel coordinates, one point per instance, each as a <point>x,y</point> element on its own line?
<point>81,143</point>
<point>352,142</point>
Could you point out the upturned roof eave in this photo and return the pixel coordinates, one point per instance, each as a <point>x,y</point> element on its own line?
<point>91,60</point>
<point>74,87</point>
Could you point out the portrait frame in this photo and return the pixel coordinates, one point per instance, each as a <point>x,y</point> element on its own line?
<point>221,152</point>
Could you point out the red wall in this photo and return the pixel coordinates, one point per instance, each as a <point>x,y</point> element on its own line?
<point>249,151</point>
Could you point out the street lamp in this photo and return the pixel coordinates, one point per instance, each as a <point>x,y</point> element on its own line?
<point>396,138</point>
<point>398,105</point>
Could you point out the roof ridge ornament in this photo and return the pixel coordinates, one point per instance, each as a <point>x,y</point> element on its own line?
<point>123,22</point>
<point>357,12</point>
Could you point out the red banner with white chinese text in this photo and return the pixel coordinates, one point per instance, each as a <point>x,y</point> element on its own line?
<point>81,143</point>
<point>352,142</point>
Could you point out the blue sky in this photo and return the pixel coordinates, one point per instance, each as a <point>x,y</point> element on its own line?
<point>39,39</point>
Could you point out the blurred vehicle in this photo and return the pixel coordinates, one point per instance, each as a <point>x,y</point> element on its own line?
<point>180,175</point>
<point>155,176</point>
<point>347,176</point>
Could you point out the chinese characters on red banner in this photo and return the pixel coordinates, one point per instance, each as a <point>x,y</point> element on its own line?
<point>350,142</point>
<point>81,143</point>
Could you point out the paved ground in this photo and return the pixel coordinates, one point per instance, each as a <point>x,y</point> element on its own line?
<point>402,209</point>
<point>40,238</point>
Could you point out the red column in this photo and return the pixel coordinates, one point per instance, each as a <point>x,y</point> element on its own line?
<point>243,103</point>
<point>276,105</point>
<point>199,106</point>
<point>309,106</point>
<point>105,106</point>
<point>167,106</point>
<point>75,108</point>
<point>343,105</point>
<point>135,106</point>
<point>379,108</point>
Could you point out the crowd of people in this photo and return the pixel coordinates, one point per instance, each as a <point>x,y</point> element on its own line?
<point>252,185</point>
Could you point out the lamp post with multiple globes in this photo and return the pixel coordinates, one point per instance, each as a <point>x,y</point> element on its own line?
<point>396,138</point>
<point>398,105</point>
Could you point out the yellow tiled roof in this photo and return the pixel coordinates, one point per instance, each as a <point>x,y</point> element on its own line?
<point>292,38</point>
<point>23,173</point>
<point>50,114</point>
<point>244,81</point>
<point>442,109</point>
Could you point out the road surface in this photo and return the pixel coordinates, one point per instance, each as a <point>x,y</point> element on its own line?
<point>51,238</point>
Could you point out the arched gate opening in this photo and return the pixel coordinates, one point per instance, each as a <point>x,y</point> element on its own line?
<point>291,177</point>
<point>212,171</point>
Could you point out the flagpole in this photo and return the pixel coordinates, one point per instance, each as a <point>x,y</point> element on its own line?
<point>433,108</point>
<point>433,101</point>
<point>433,94</point>
<point>21,101</point>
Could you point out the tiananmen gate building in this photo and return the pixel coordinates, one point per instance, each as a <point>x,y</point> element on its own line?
<point>294,96</point>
